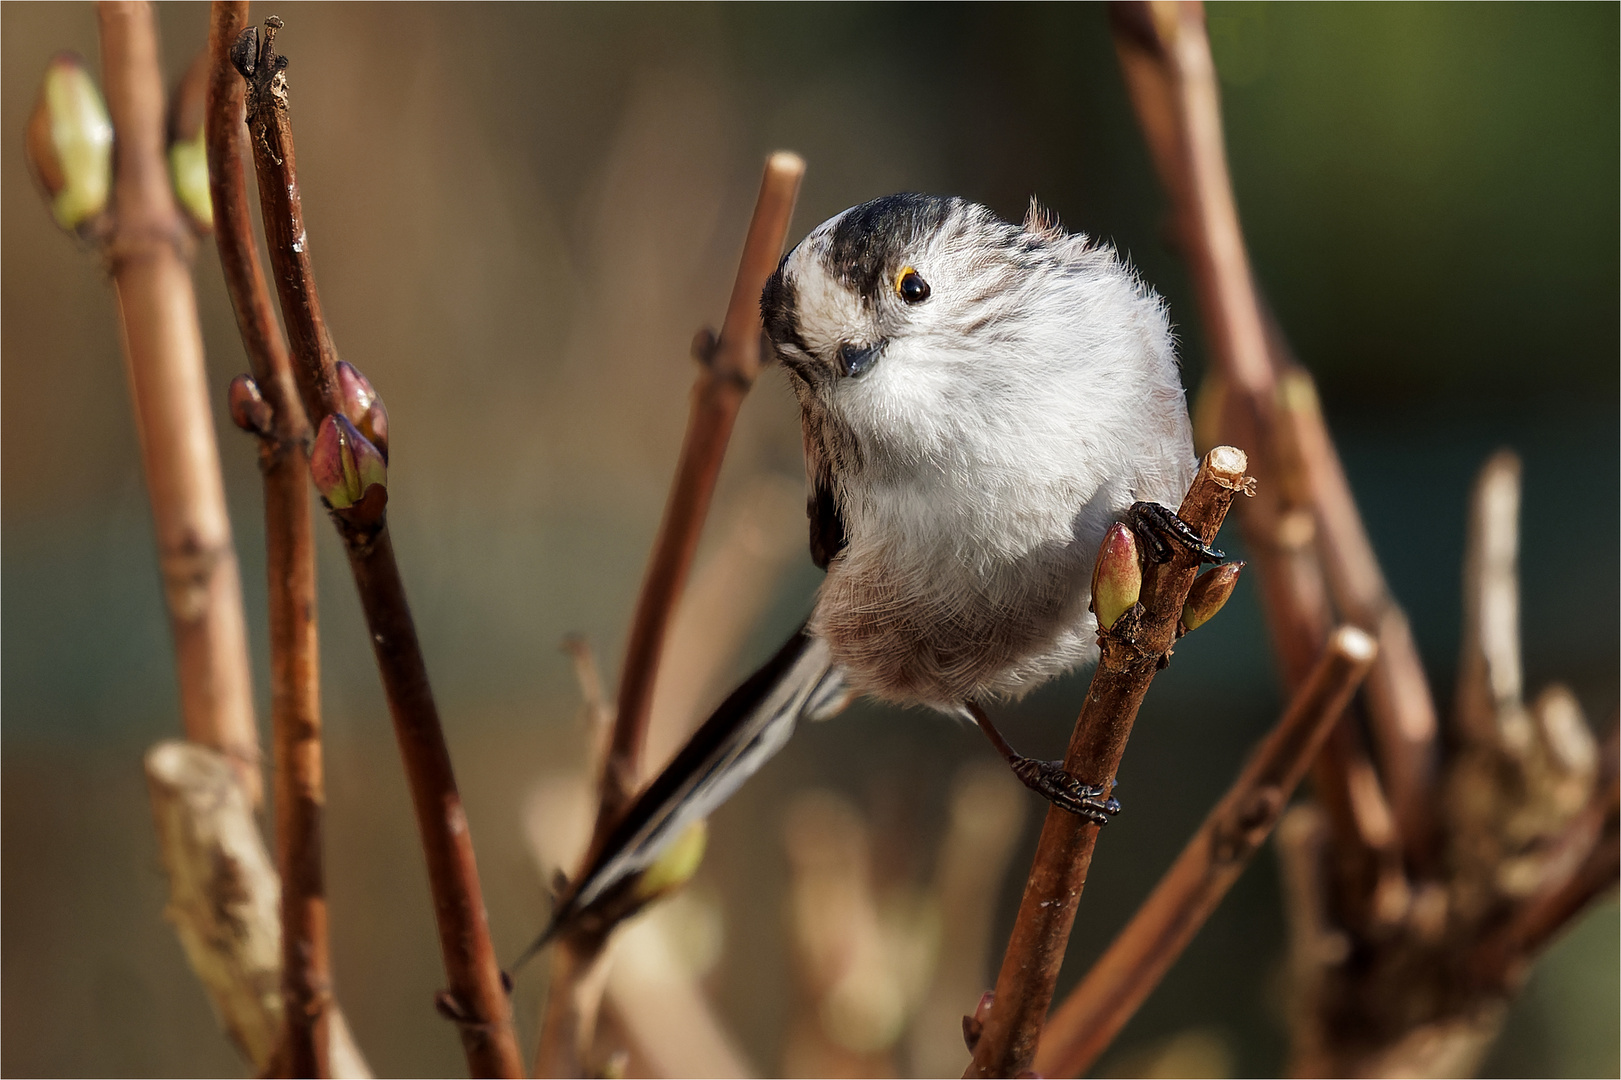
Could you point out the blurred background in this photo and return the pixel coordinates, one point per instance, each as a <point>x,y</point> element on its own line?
<point>519,216</point>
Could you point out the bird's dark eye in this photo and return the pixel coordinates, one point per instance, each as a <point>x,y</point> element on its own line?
<point>910,286</point>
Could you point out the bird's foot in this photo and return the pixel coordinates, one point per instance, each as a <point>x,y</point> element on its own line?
<point>1050,780</point>
<point>1157,527</point>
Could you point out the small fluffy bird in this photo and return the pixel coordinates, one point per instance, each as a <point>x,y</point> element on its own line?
<point>980,401</point>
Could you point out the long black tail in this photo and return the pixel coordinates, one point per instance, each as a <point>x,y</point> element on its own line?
<point>740,736</point>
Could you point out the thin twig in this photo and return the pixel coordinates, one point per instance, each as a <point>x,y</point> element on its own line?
<point>573,1000</point>
<point>1400,705</point>
<point>476,999</point>
<point>1401,708</point>
<point>295,703</point>
<point>1132,650</point>
<point>148,253</point>
<point>578,973</point>
<point>1491,680</point>
<point>1165,55</point>
<point>730,365</point>
<point>1093,1014</point>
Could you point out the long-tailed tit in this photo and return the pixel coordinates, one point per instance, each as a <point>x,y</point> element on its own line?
<point>980,401</point>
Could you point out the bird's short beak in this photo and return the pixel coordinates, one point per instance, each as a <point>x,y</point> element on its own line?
<point>855,359</point>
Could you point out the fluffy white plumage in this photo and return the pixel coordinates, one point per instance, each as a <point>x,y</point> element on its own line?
<point>1008,419</point>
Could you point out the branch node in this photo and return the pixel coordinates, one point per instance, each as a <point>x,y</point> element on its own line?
<point>705,343</point>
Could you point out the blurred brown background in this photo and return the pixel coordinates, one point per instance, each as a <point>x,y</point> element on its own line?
<point>520,214</point>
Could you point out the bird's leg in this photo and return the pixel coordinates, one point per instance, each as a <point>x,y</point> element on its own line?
<point>1049,778</point>
<point>1158,526</point>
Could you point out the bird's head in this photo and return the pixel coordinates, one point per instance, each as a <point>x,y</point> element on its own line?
<point>859,283</point>
<point>919,321</point>
<point>906,288</point>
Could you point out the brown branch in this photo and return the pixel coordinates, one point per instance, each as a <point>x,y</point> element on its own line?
<point>295,705</point>
<point>730,365</point>
<point>1424,991</point>
<point>222,891</point>
<point>223,900</point>
<point>1165,55</point>
<point>1317,942</point>
<point>573,1000</point>
<point>148,251</point>
<point>1110,994</point>
<point>1132,650</point>
<point>1400,706</point>
<point>1399,703</point>
<point>476,999</point>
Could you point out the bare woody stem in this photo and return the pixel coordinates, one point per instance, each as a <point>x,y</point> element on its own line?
<point>730,365</point>
<point>148,254</point>
<point>1165,54</point>
<point>1110,994</point>
<point>222,901</point>
<point>476,999</point>
<point>1132,650</point>
<point>295,704</point>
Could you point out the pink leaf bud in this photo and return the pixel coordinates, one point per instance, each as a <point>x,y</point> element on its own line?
<point>70,143</point>
<point>974,1026</point>
<point>249,410</point>
<point>344,464</point>
<point>362,406</point>
<point>1117,578</point>
<point>1209,592</point>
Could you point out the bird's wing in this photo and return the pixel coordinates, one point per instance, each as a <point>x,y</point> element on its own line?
<point>826,525</point>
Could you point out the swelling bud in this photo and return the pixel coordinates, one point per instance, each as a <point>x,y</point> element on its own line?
<point>344,465</point>
<point>676,866</point>
<point>1117,577</point>
<point>188,156</point>
<point>362,406</point>
<point>70,144</point>
<point>249,410</point>
<point>1209,592</point>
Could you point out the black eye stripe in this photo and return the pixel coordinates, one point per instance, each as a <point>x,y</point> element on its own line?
<point>867,245</point>
<point>779,310</point>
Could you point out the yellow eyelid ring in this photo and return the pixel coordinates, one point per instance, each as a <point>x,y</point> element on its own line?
<point>910,286</point>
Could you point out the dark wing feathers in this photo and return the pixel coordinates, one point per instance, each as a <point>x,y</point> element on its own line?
<point>826,525</point>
